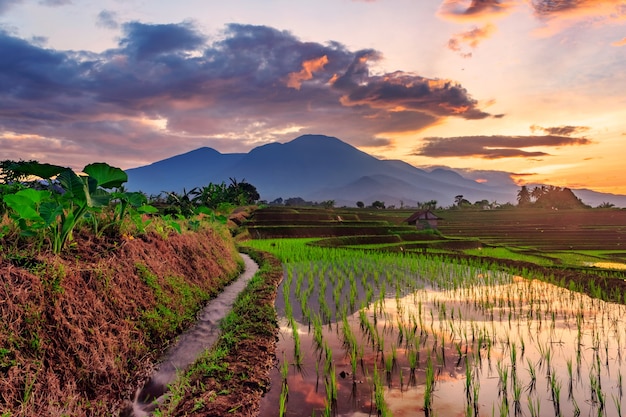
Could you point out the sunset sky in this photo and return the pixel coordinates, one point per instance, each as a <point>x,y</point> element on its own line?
<point>533,88</point>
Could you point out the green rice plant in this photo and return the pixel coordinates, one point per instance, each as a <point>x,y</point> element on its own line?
<point>429,386</point>
<point>570,384</point>
<point>379,395</point>
<point>282,403</point>
<point>618,404</point>
<point>534,406</point>
<point>330,383</point>
<point>284,369</point>
<point>503,376</point>
<point>555,392</point>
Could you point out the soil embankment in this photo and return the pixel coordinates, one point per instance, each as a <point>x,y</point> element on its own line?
<point>80,332</point>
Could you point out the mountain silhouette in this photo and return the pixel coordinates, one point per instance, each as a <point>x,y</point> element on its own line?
<point>317,168</point>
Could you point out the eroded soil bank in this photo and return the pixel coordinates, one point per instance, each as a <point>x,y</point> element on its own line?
<point>81,331</point>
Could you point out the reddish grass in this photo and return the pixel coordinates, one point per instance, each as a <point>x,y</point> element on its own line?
<point>72,339</point>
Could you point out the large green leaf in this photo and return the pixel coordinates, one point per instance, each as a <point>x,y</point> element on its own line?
<point>38,169</point>
<point>24,207</point>
<point>100,198</point>
<point>76,189</point>
<point>105,175</point>
<point>26,201</point>
<point>50,211</point>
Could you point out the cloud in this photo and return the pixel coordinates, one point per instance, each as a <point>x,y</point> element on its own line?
<point>494,147</point>
<point>55,3</point>
<point>295,79</point>
<point>619,43</point>
<point>107,19</point>
<point>560,130</point>
<point>574,7</point>
<point>7,4</point>
<point>143,41</point>
<point>475,10</point>
<point>470,38</point>
<point>404,92</point>
<point>559,15</point>
<point>168,88</point>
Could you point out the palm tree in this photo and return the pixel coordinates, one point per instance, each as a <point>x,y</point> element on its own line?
<point>537,192</point>
<point>523,197</point>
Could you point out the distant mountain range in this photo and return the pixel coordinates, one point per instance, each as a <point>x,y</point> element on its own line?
<point>318,168</point>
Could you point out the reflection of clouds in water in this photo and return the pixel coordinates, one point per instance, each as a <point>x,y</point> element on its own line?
<point>485,319</point>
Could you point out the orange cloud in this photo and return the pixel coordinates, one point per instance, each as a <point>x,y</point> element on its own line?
<point>558,16</point>
<point>295,79</point>
<point>475,10</point>
<point>471,38</point>
<point>619,43</point>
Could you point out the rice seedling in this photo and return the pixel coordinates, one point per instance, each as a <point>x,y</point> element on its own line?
<point>429,386</point>
<point>375,304</point>
<point>534,406</point>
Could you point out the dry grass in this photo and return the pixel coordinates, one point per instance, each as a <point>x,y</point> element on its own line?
<point>76,336</point>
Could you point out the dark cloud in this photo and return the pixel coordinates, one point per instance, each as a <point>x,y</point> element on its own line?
<point>107,19</point>
<point>547,7</point>
<point>607,9</point>
<point>168,84</point>
<point>143,41</point>
<point>494,147</point>
<point>560,130</point>
<point>405,91</point>
<point>477,9</point>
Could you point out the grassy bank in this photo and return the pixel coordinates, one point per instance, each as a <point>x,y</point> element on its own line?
<point>230,378</point>
<point>81,330</point>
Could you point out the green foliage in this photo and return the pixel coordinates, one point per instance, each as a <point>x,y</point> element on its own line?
<point>68,198</point>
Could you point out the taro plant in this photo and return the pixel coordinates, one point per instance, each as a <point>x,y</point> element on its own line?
<point>64,201</point>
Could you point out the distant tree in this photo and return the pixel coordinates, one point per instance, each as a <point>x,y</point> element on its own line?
<point>461,202</point>
<point>606,205</point>
<point>328,204</point>
<point>242,193</point>
<point>482,204</point>
<point>277,202</point>
<point>559,198</point>
<point>360,204</point>
<point>378,204</point>
<point>428,205</point>
<point>296,201</point>
<point>537,192</point>
<point>523,197</point>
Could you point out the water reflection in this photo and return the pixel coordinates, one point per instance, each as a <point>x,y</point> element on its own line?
<point>499,345</point>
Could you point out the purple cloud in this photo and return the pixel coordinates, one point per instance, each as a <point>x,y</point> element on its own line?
<point>167,87</point>
<point>494,147</point>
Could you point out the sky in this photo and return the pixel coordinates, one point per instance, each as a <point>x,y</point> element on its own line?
<point>528,90</point>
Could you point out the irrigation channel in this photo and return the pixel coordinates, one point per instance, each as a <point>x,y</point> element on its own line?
<point>191,344</point>
<point>373,333</point>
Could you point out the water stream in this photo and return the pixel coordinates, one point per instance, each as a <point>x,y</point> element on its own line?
<point>191,344</point>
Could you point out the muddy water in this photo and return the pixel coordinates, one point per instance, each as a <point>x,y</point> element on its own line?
<point>191,344</point>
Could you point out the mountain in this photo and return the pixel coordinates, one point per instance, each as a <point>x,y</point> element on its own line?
<point>317,168</point>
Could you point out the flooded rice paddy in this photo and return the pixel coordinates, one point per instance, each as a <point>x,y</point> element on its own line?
<point>367,333</point>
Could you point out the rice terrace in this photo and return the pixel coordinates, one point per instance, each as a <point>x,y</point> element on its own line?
<point>503,312</point>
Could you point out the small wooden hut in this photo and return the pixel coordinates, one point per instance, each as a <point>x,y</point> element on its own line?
<point>423,219</point>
